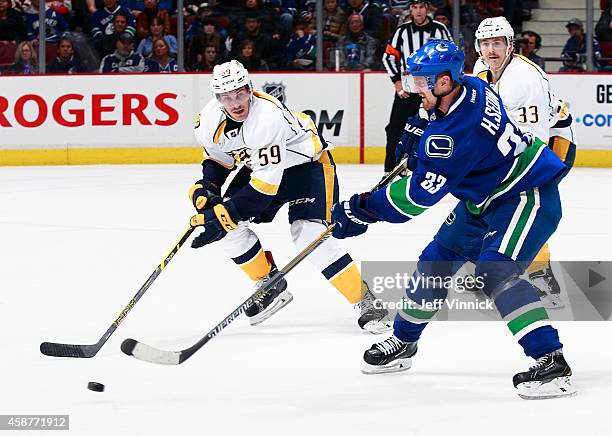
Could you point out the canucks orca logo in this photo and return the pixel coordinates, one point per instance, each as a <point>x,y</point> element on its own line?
<point>276,90</point>
<point>442,47</point>
<point>439,146</point>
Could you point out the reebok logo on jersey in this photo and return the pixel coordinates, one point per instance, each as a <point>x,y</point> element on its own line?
<point>439,146</point>
<point>490,234</point>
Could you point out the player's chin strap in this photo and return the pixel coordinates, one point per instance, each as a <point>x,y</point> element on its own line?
<point>439,96</point>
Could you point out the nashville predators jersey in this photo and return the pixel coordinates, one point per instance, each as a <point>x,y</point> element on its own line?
<point>270,140</point>
<point>525,93</point>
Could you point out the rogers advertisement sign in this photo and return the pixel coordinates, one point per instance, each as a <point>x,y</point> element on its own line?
<point>77,110</point>
<point>96,111</point>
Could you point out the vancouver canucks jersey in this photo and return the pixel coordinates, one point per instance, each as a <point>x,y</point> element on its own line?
<point>474,152</point>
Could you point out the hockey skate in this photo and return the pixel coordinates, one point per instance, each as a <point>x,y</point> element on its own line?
<point>390,355</point>
<point>371,319</point>
<point>271,301</point>
<point>548,288</point>
<point>550,377</point>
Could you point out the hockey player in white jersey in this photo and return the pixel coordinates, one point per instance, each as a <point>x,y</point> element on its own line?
<point>284,160</point>
<point>529,101</point>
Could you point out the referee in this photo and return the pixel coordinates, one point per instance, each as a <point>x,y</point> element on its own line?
<point>407,39</point>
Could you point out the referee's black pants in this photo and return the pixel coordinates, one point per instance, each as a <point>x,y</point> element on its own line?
<point>403,108</point>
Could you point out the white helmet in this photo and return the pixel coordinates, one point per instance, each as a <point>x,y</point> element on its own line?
<point>229,76</point>
<point>493,27</point>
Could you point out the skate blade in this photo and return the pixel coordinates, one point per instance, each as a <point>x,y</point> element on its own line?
<point>557,388</point>
<point>281,301</point>
<point>377,327</point>
<point>397,366</point>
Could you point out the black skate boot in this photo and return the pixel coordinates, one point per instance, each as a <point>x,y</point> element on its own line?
<point>548,288</point>
<point>271,301</point>
<point>390,355</point>
<point>550,377</point>
<point>371,319</point>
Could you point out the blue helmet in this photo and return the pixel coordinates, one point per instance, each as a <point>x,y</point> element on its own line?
<point>435,57</point>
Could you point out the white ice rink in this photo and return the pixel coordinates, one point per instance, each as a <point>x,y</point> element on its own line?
<point>77,242</point>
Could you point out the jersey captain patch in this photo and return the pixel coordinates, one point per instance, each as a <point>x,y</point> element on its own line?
<point>439,146</point>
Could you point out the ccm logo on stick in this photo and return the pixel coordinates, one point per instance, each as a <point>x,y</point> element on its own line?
<point>32,110</point>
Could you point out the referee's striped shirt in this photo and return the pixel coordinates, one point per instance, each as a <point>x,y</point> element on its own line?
<point>407,39</point>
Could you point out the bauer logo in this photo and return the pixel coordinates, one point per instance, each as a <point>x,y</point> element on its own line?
<point>439,146</point>
<point>276,90</point>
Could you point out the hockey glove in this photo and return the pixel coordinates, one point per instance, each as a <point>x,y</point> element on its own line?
<point>351,218</point>
<point>217,221</point>
<point>409,142</point>
<point>203,196</point>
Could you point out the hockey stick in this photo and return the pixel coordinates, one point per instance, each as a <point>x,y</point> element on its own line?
<point>147,353</point>
<point>73,350</point>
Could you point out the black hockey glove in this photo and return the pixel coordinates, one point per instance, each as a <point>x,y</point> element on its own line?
<point>409,142</point>
<point>351,218</point>
<point>203,195</point>
<point>216,221</point>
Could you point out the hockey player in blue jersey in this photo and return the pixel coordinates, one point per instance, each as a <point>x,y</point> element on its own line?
<point>507,186</point>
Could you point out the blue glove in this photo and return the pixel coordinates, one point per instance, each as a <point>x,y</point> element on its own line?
<point>351,218</point>
<point>409,142</point>
<point>216,221</point>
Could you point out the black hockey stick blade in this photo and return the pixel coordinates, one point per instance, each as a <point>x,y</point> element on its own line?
<point>69,350</point>
<point>80,351</point>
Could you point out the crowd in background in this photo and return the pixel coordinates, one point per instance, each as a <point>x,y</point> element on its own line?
<point>265,35</point>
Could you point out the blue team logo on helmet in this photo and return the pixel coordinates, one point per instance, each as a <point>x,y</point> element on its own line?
<point>435,57</point>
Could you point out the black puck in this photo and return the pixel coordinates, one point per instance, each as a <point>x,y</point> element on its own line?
<point>97,387</point>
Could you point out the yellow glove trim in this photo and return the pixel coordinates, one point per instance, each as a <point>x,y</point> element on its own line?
<point>197,220</point>
<point>193,189</point>
<point>224,217</point>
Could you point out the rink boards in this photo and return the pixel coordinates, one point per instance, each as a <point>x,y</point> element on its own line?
<point>148,118</point>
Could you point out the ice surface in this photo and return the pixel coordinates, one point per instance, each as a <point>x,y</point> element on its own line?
<point>77,242</point>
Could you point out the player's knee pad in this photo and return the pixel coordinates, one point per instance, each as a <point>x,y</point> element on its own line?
<point>501,280</point>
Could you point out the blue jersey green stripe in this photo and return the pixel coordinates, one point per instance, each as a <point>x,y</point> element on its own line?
<point>522,166</point>
<point>397,193</point>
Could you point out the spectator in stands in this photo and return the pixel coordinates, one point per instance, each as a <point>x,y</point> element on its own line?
<point>54,21</point>
<point>372,16</point>
<point>124,59</point>
<point>357,48</point>
<point>394,11</point>
<point>144,19</point>
<point>334,19</point>
<point>102,21</point>
<point>26,60</point>
<point>530,43</point>
<point>108,42</point>
<point>267,48</point>
<point>138,6</point>
<point>603,29</point>
<point>12,28</point>
<point>442,15</point>
<point>207,61</point>
<point>66,62</point>
<point>160,60</point>
<point>207,35</point>
<point>267,17</point>
<point>250,58</point>
<point>156,30</point>
<point>575,47</point>
<point>287,11</point>
<point>334,31</point>
<point>302,49</point>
